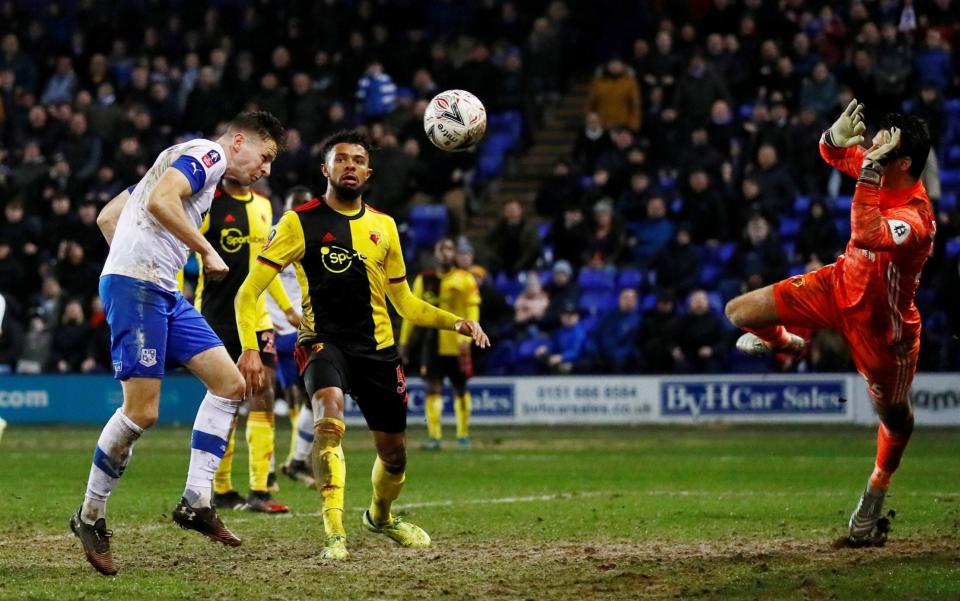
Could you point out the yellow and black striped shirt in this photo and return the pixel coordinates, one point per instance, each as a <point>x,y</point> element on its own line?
<point>455,291</point>
<point>343,263</point>
<point>237,228</point>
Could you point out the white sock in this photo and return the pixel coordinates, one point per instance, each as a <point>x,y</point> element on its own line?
<point>304,434</point>
<point>211,430</point>
<point>110,458</point>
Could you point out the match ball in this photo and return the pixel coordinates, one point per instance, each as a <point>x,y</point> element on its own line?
<point>455,120</point>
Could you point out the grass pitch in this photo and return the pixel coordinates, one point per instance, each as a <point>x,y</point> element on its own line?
<point>530,513</point>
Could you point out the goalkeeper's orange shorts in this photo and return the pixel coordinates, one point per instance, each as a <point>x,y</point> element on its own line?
<point>809,301</point>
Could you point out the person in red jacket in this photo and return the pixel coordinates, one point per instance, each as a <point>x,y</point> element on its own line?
<point>868,293</point>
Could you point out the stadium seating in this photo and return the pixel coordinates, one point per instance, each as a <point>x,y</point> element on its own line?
<point>427,223</point>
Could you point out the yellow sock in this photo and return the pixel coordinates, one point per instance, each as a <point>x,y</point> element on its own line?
<point>222,480</point>
<point>461,406</point>
<point>330,469</point>
<point>260,438</point>
<point>294,414</point>
<point>386,488</point>
<point>434,411</point>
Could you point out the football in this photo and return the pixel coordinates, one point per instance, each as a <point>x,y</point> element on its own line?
<point>455,120</point>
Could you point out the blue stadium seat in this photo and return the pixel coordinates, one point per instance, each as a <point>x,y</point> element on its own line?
<point>725,251</point>
<point>841,205</point>
<point>648,302</point>
<point>594,302</point>
<point>666,182</point>
<point>716,302</point>
<point>740,363</point>
<point>801,204</point>
<point>595,279</point>
<point>590,323</point>
<point>507,285</point>
<point>843,227</point>
<point>630,277</point>
<point>710,274</point>
<point>500,359</point>
<point>950,178</point>
<point>953,247</point>
<point>428,223</point>
<point>543,230</point>
<point>789,226</point>
<point>948,202</point>
<point>790,248</point>
<point>796,269</point>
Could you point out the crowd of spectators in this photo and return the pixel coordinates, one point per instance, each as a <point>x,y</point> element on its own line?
<point>91,92</point>
<point>694,177</point>
<point>697,176</point>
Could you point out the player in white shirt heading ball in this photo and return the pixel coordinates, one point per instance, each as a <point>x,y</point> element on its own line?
<point>151,227</point>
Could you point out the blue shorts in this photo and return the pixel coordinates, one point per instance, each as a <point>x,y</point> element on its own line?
<point>150,327</point>
<point>287,372</point>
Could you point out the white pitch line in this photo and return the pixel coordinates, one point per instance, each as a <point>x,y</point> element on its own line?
<point>563,496</point>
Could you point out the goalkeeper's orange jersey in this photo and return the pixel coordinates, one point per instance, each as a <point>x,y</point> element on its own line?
<point>891,236</point>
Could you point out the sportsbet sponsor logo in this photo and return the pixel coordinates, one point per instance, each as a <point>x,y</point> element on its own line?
<point>24,399</point>
<point>725,398</point>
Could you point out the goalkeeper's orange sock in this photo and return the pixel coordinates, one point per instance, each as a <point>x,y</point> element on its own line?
<point>890,447</point>
<point>330,470</point>
<point>223,477</point>
<point>774,336</point>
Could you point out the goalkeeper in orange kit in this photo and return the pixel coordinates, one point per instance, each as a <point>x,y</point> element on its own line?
<point>868,293</point>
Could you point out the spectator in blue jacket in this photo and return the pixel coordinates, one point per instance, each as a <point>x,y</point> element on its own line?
<point>932,64</point>
<point>62,84</point>
<point>376,92</point>
<point>648,237</point>
<point>566,351</point>
<point>617,336</point>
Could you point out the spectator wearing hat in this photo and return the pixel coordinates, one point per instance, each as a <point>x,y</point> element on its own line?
<point>618,336</point>
<point>531,304</point>
<point>615,96</point>
<point>496,314</point>
<point>607,238</point>
<point>562,290</point>
<point>567,350</point>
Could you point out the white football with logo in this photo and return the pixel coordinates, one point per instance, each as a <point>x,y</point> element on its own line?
<point>455,120</point>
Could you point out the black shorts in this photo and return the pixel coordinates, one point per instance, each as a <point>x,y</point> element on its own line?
<point>375,381</point>
<point>439,367</point>
<point>231,341</point>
